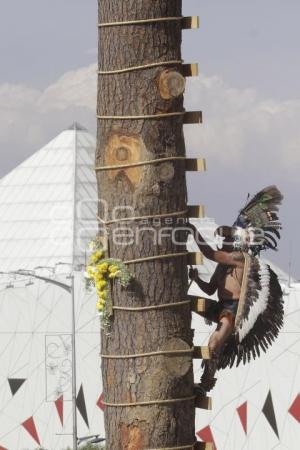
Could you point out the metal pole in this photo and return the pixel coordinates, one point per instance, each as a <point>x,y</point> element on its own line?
<point>74,387</point>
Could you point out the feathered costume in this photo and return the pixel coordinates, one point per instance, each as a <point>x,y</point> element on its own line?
<point>259,316</point>
<point>260,309</point>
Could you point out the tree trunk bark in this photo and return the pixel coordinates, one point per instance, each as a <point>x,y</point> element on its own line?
<point>139,191</point>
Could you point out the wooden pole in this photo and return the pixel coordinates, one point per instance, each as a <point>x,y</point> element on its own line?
<point>150,399</point>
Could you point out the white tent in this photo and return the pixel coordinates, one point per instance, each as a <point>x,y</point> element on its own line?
<point>46,203</point>
<point>47,216</point>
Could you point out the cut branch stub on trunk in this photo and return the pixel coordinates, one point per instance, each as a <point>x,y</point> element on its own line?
<point>171,84</point>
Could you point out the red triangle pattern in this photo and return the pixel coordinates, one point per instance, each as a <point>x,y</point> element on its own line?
<point>206,435</point>
<point>295,409</point>
<point>100,403</point>
<point>2,448</point>
<point>59,403</point>
<point>30,427</point>
<point>243,413</point>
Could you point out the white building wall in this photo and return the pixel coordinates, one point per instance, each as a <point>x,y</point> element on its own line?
<point>35,345</point>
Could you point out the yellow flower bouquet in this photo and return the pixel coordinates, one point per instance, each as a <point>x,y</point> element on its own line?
<point>100,273</point>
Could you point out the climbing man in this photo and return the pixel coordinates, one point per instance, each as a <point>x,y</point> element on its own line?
<point>249,313</point>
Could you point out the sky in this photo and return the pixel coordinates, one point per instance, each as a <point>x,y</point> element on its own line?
<point>248,89</point>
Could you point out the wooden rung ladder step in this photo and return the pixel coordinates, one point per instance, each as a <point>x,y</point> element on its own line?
<point>196,211</point>
<point>203,402</point>
<point>204,446</point>
<point>201,353</point>
<point>192,117</point>
<point>200,304</point>
<point>190,22</point>
<point>195,165</point>
<point>190,70</point>
<point>195,259</point>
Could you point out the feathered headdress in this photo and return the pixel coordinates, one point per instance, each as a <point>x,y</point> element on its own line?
<point>257,225</point>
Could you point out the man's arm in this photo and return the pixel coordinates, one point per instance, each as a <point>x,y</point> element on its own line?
<point>209,288</point>
<point>228,259</point>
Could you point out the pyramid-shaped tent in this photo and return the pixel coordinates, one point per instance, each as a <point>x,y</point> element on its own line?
<point>48,204</point>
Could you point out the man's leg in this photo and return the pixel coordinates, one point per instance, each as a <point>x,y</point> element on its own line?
<point>221,334</point>
<point>216,343</point>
